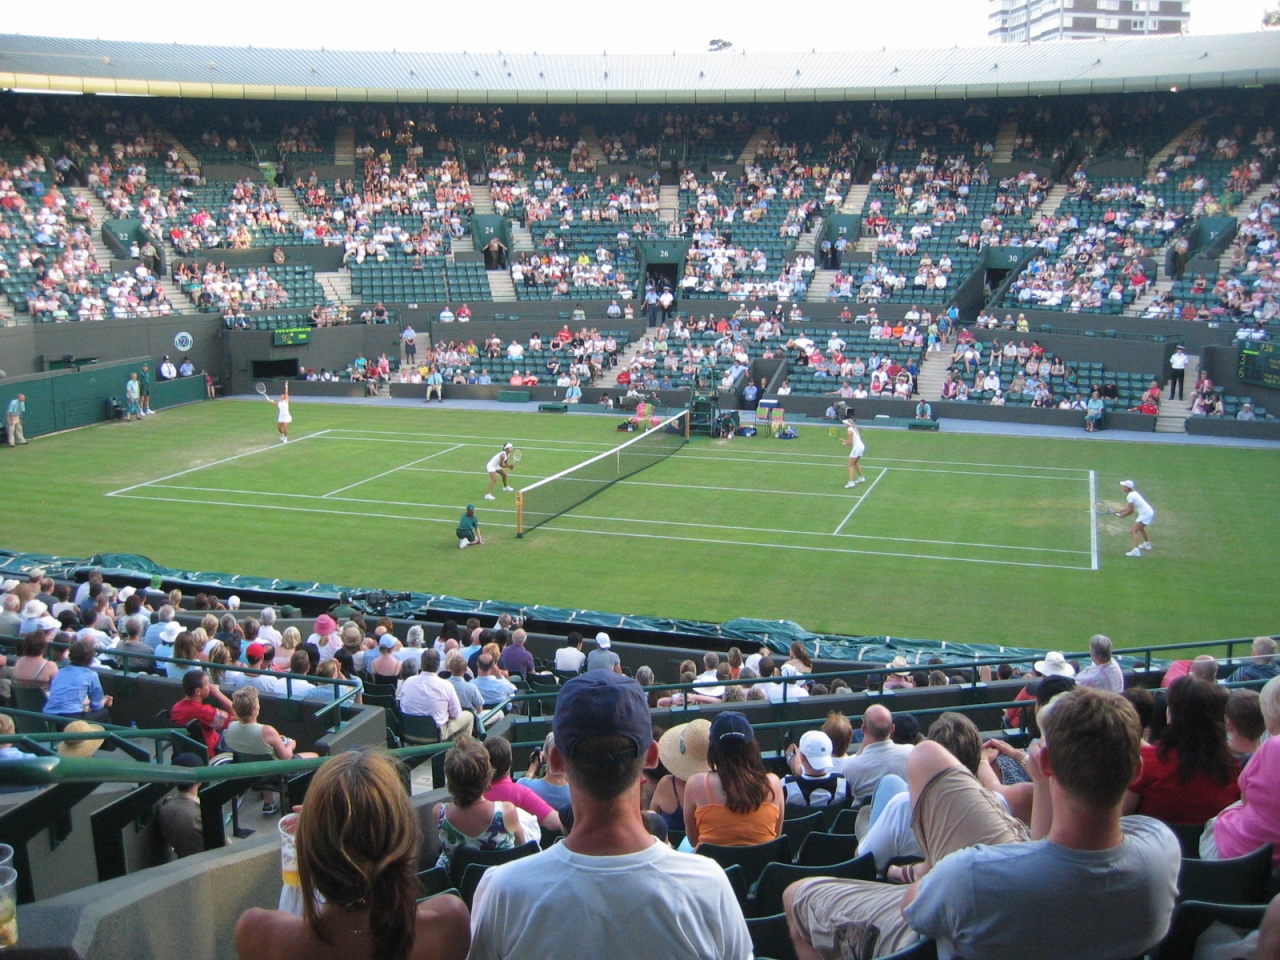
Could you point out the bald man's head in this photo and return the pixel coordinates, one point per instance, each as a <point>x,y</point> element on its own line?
<point>1204,667</point>
<point>877,724</point>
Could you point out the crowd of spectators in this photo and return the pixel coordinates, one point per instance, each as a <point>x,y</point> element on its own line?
<point>230,291</point>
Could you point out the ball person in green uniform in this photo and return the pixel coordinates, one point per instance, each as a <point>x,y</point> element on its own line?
<point>469,528</point>
<point>144,384</point>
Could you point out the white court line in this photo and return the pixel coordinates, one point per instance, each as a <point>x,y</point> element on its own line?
<point>205,466</point>
<point>611,533</point>
<point>825,466</point>
<point>848,516</point>
<point>793,546</point>
<point>699,453</point>
<point>702,454</point>
<point>278,506</point>
<point>1093,518</point>
<point>581,516</point>
<point>872,461</point>
<point>387,473</point>
<point>487,440</point>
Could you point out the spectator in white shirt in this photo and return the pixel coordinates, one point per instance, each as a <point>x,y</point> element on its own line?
<point>1104,673</point>
<point>426,695</point>
<point>569,658</point>
<point>878,756</point>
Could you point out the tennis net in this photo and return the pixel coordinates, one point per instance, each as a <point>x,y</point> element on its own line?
<point>558,494</point>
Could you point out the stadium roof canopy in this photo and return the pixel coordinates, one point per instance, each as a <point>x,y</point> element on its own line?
<point>1042,69</point>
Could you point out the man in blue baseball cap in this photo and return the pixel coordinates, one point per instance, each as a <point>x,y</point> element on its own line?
<point>610,888</point>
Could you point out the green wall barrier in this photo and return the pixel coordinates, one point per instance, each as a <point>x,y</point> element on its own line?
<point>77,397</point>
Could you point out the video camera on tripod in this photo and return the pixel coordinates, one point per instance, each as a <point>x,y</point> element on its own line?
<point>375,601</point>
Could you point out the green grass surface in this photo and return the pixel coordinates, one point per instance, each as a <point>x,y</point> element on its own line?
<point>961,538</point>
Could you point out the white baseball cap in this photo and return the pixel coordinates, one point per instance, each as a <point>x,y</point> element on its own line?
<point>603,641</point>
<point>815,746</point>
<point>1128,483</point>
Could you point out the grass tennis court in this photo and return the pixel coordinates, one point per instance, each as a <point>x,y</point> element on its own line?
<point>953,537</point>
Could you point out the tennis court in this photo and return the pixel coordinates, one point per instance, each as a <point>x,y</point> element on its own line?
<point>756,494</point>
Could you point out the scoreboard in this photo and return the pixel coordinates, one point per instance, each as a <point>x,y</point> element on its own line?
<point>1260,364</point>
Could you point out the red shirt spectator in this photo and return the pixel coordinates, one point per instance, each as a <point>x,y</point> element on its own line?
<point>198,689</point>
<point>1166,797</point>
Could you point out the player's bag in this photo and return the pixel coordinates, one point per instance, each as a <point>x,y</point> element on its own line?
<point>788,433</point>
<point>626,426</point>
<point>747,431</point>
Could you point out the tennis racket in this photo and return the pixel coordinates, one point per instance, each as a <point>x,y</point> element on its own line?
<point>261,388</point>
<point>836,432</point>
<point>1101,507</point>
<point>516,455</point>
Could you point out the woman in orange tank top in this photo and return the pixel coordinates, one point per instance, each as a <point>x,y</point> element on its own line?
<point>738,803</point>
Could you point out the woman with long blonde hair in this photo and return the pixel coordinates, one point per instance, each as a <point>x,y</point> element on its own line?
<point>357,845</point>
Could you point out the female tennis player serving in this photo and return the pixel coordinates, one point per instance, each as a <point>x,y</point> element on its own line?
<point>283,416</point>
<point>856,449</point>
<point>498,465</point>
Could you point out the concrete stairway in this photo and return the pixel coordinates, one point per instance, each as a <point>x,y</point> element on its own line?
<point>337,286</point>
<point>1139,306</point>
<point>933,373</point>
<point>759,136</point>
<point>1173,413</point>
<point>481,200</point>
<point>501,287</point>
<point>1005,139</point>
<point>101,252</point>
<point>818,286</point>
<point>189,158</point>
<point>344,147</point>
<point>668,204</point>
<point>1171,147</point>
<point>856,199</point>
<point>807,242</point>
<point>289,203</point>
<point>521,238</point>
<point>595,152</point>
<point>631,351</point>
<point>1053,200</point>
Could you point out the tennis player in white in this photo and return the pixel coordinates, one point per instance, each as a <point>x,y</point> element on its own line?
<point>1146,515</point>
<point>283,416</point>
<point>856,449</point>
<point>498,465</point>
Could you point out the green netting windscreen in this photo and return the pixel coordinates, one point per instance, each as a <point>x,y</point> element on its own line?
<point>555,495</point>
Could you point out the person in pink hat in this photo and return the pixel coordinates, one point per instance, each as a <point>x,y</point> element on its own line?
<point>326,637</point>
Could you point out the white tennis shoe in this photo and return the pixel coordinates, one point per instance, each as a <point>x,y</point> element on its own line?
<point>1135,552</point>
<point>463,544</point>
<point>1146,545</point>
<point>508,489</point>
<point>490,496</point>
<point>851,483</point>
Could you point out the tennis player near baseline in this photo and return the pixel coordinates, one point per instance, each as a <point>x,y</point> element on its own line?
<point>498,466</point>
<point>856,449</point>
<point>1146,515</point>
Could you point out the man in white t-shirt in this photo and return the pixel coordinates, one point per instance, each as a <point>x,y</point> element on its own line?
<point>569,658</point>
<point>1146,515</point>
<point>610,889</point>
<point>994,887</point>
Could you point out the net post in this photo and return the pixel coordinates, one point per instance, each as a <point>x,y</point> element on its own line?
<point>519,514</point>
<point>687,419</point>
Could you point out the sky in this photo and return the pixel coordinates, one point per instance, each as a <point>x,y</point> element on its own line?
<point>524,27</point>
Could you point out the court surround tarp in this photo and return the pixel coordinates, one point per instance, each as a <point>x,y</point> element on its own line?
<point>777,635</point>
